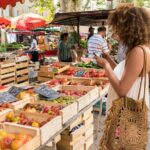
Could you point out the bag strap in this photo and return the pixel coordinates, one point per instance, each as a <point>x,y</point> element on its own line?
<point>143,76</point>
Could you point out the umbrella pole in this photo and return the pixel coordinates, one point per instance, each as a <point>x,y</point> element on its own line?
<point>78,30</point>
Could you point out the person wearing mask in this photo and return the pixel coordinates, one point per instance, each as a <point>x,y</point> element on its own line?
<point>64,52</point>
<point>97,43</point>
<point>91,32</point>
<point>130,77</point>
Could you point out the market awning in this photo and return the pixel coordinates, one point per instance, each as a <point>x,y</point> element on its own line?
<point>30,23</point>
<point>4,21</point>
<point>4,3</point>
<point>81,18</point>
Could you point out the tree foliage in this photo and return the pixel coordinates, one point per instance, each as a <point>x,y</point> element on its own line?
<point>46,6</point>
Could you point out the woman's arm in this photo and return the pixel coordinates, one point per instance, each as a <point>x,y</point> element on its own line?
<point>131,72</point>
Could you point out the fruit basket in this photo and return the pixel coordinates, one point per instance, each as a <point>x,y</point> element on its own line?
<point>40,122</point>
<point>17,137</point>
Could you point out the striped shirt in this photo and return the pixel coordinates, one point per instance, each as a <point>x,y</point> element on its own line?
<point>97,44</point>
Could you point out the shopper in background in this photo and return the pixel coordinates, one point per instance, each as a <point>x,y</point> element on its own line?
<point>132,25</point>
<point>34,43</point>
<point>64,52</point>
<point>91,32</point>
<point>97,43</point>
<point>121,53</point>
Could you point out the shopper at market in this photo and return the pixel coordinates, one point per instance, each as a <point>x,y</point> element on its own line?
<point>91,32</point>
<point>64,52</point>
<point>121,49</point>
<point>97,43</point>
<point>132,24</point>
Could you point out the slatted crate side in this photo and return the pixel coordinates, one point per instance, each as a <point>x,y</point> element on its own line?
<point>87,113</point>
<point>89,132</point>
<point>22,71</point>
<point>7,75</point>
<point>22,78</point>
<point>22,65</point>
<point>6,65</point>
<point>46,74</point>
<point>74,135</point>
<point>7,80</point>
<point>89,142</point>
<point>43,79</point>
<point>17,129</point>
<point>7,70</point>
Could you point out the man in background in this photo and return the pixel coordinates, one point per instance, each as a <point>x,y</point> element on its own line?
<point>91,32</point>
<point>97,43</point>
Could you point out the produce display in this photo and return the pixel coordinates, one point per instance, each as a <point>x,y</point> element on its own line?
<point>85,73</point>
<point>56,82</point>
<point>23,119</point>
<point>12,141</point>
<point>72,93</point>
<point>39,108</point>
<point>63,100</point>
<point>88,65</point>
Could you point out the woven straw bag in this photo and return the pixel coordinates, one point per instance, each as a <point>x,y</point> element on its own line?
<point>126,126</point>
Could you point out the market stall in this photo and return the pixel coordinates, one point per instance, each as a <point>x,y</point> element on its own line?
<point>48,107</point>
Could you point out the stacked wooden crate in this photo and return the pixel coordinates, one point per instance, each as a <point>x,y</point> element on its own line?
<point>48,72</point>
<point>79,135</point>
<point>22,71</point>
<point>7,73</point>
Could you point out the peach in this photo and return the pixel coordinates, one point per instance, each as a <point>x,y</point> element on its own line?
<point>16,144</point>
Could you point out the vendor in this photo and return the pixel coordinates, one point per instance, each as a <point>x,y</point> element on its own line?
<point>64,52</point>
<point>34,49</point>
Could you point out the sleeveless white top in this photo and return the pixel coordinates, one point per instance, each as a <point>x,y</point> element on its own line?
<point>133,92</point>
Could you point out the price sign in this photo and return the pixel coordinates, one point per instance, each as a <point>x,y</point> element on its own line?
<point>6,97</point>
<point>79,73</point>
<point>15,90</point>
<point>45,91</point>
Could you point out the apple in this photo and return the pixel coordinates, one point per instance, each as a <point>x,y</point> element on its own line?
<point>46,110</point>
<point>5,143</point>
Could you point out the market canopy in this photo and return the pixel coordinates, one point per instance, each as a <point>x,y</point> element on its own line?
<point>4,3</point>
<point>4,21</point>
<point>81,18</point>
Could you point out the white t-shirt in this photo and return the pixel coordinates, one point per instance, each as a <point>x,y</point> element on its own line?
<point>97,44</point>
<point>34,44</point>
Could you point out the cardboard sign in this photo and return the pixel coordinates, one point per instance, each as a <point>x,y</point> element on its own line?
<point>6,97</point>
<point>79,73</point>
<point>46,92</point>
<point>15,90</point>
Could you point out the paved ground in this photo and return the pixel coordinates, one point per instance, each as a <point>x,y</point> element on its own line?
<point>100,131</point>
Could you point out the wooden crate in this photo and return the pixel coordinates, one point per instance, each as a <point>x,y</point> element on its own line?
<point>22,64</point>
<point>74,135</point>
<point>89,132</point>
<point>50,71</point>
<point>87,113</point>
<point>17,129</point>
<point>66,145</point>
<point>89,142</point>
<point>85,100</point>
<point>43,79</point>
<point>87,123</point>
<point>66,113</point>
<point>47,130</point>
<point>7,73</point>
<point>35,65</point>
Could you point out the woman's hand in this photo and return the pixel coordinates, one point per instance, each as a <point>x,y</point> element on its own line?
<point>101,61</point>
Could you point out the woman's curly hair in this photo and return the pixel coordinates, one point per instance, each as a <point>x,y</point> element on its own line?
<point>132,24</point>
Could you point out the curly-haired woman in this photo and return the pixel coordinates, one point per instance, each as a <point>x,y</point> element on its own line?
<point>132,25</point>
